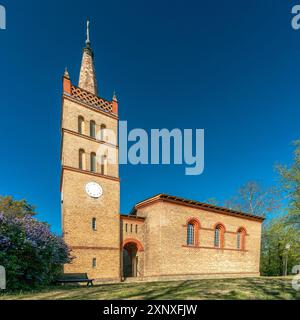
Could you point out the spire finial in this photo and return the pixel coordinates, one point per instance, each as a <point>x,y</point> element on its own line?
<point>66,74</point>
<point>88,41</point>
<point>115,97</point>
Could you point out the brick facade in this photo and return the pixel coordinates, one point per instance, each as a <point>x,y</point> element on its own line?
<point>166,254</point>
<point>151,242</point>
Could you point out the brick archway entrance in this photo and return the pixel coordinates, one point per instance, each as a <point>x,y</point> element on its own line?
<point>131,247</point>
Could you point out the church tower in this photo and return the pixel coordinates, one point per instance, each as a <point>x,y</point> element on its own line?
<point>90,185</point>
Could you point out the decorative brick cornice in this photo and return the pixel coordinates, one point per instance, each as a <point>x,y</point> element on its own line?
<point>89,106</point>
<point>91,99</point>
<point>196,205</point>
<point>87,173</point>
<point>89,138</point>
<point>90,173</point>
<point>133,218</point>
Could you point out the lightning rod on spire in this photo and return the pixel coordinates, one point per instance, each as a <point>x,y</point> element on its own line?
<point>88,42</point>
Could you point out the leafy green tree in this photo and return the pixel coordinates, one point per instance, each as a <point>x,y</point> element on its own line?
<point>291,186</point>
<point>285,230</point>
<point>276,235</point>
<point>16,208</point>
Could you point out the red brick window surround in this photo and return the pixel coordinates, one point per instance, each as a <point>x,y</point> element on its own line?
<point>193,227</point>
<point>219,235</point>
<point>241,239</point>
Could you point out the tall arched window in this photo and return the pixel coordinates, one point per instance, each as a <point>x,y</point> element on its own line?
<point>81,125</point>
<point>241,239</point>
<point>93,129</point>
<point>193,232</point>
<point>219,236</point>
<point>190,234</point>
<point>93,162</point>
<point>82,159</point>
<point>103,133</point>
<point>104,164</point>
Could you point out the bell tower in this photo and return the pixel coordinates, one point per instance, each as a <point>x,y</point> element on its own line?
<point>90,185</point>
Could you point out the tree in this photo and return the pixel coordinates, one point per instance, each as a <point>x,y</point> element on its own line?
<point>285,230</point>
<point>212,201</point>
<point>252,198</point>
<point>275,236</point>
<point>291,186</point>
<point>30,253</point>
<point>16,208</point>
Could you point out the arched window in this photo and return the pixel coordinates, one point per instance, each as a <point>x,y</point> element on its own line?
<point>193,232</point>
<point>94,224</point>
<point>190,235</point>
<point>81,125</point>
<point>104,164</point>
<point>103,133</point>
<point>93,162</point>
<point>219,236</point>
<point>94,262</point>
<point>241,239</point>
<point>93,129</point>
<point>82,159</point>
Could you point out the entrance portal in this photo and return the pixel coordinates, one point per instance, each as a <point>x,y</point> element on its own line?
<point>130,260</point>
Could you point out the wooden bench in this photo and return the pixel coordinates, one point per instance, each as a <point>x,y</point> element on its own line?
<point>75,278</point>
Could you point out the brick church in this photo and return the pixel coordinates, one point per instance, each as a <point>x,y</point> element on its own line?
<point>163,237</point>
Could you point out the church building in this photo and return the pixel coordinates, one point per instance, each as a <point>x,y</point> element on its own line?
<point>163,237</point>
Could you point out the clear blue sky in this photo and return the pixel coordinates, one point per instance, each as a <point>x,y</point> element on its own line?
<point>230,67</point>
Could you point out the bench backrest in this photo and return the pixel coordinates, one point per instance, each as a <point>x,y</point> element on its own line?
<point>74,276</point>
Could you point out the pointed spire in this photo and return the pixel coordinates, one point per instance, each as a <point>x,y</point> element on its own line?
<point>87,77</point>
<point>115,97</point>
<point>67,83</point>
<point>115,104</point>
<point>66,74</point>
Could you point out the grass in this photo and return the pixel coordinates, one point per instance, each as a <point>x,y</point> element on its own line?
<point>225,289</point>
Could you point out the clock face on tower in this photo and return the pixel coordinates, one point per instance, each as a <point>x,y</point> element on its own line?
<point>94,190</point>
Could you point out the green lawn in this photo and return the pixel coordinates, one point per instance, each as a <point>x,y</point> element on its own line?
<point>251,288</point>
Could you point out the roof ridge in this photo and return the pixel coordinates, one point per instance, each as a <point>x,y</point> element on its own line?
<point>195,202</point>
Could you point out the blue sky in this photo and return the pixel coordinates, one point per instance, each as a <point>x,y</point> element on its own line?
<point>230,67</point>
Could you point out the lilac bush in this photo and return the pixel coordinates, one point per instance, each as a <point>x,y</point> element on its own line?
<point>31,254</point>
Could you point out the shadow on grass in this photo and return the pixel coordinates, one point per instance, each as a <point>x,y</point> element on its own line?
<point>217,289</point>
